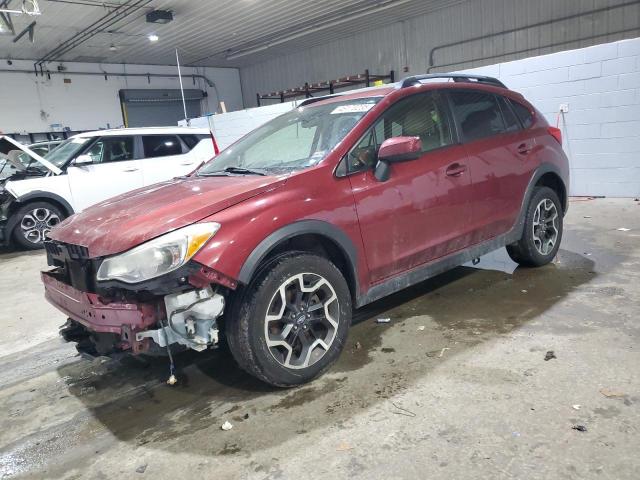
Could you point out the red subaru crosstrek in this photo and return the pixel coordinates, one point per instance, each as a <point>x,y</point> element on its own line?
<point>339,202</point>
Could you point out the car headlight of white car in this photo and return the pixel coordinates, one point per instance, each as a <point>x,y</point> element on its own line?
<point>158,256</point>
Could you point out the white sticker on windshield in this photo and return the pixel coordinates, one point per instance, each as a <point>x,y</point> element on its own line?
<point>357,108</point>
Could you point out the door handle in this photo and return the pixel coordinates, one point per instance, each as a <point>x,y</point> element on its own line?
<point>455,170</point>
<point>132,169</point>
<point>524,148</point>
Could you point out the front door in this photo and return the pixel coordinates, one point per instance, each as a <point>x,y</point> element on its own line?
<point>422,212</point>
<point>113,171</point>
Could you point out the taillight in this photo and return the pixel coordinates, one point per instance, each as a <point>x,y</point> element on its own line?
<point>555,133</point>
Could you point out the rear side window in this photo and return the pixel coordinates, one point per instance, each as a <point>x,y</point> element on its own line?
<point>478,114</point>
<point>192,140</point>
<point>523,113</point>
<point>510,121</point>
<point>161,145</point>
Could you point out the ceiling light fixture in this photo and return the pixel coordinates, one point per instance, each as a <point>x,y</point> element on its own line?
<point>153,37</point>
<point>159,16</point>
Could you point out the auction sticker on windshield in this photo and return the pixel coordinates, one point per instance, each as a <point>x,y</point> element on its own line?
<point>356,108</point>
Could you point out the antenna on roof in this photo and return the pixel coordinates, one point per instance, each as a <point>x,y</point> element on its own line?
<point>184,104</point>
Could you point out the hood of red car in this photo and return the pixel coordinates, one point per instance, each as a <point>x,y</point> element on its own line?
<point>128,220</point>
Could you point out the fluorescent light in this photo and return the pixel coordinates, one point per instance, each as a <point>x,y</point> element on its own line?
<point>153,37</point>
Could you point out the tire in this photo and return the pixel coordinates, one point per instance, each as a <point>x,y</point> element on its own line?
<point>534,248</point>
<point>42,217</point>
<point>280,307</point>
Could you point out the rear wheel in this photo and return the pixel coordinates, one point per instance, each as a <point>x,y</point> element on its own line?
<point>292,321</point>
<point>542,230</point>
<point>34,221</point>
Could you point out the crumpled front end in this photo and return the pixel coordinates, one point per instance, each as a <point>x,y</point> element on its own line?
<point>178,310</point>
<point>6,201</point>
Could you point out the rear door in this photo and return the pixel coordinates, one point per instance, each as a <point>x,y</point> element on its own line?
<point>422,212</point>
<point>165,157</point>
<point>497,151</point>
<point>113,170</point>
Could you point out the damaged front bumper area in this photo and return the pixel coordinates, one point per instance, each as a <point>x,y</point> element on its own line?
<point>6,200</point>
<point>173,313</point>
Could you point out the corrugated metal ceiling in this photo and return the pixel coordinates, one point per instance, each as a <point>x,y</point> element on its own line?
<point>205,31</point>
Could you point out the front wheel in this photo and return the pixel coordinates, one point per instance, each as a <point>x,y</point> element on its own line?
<point>542,231</point>
<point>34,221</point>
<point>292,321</point>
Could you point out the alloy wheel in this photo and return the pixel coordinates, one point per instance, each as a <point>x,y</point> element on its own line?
<point>545,226</point>
<point>37,223</point>
<point>302,320</point>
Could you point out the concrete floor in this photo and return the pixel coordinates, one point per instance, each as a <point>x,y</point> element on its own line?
<point>468,396</point>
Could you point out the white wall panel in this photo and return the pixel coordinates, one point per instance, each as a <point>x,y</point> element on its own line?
<point>601,130</point>
<point>31,104</point>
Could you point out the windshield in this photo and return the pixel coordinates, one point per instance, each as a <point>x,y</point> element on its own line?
<point>60,155</point>
<point>298,139</point>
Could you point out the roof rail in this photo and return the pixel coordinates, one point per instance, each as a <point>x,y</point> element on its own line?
<point>456,77</point>
<point>308,101</point>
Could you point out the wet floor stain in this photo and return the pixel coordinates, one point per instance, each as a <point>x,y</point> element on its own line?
<point>129,401</point>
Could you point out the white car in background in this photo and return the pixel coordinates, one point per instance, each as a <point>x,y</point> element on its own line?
<point>89,168</point>
<point>7,169</point>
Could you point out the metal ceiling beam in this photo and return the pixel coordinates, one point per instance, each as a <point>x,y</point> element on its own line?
<point>6,18</point>
<point>96,27</point>
<point>30,30</point>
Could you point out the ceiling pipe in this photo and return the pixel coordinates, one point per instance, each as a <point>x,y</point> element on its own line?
<point>96,27</point>
<point>207,80</point>
<point>361,12</point>
<point>433,50</point>
<point>365,12</point>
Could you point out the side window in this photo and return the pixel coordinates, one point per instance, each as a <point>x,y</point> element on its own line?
<point>161,145</point>
<point>111,149</point>
<point>191,140</point>
<point>510,120</point>
<point>523,113</point>
<point>422,115</point>
<point>478,114</point>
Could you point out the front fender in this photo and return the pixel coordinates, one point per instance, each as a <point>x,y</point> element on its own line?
<point>302,227</point>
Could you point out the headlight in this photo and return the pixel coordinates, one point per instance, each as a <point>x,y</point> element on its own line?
<point>159,256</point>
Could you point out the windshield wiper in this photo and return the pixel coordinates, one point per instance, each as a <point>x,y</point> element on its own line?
<point>236,170</point>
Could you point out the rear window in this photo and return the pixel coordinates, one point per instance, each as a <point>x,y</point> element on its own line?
<point>478,114</point>
<point>161,145</point>
<point>523,113</point>
<point>192,140</point>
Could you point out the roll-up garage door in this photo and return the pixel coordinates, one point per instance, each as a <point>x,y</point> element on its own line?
<point>158,107</point>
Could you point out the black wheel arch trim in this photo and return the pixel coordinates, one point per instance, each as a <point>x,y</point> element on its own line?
<point>36,195</point>
<point>302,227</point>
<point>41,195</point>
<point>543,169</point>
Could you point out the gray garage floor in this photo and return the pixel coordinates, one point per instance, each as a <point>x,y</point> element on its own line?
<point>470,395</point>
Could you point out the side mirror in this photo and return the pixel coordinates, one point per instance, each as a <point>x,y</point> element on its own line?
<point>396,149</point>
<point>83,159</point>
